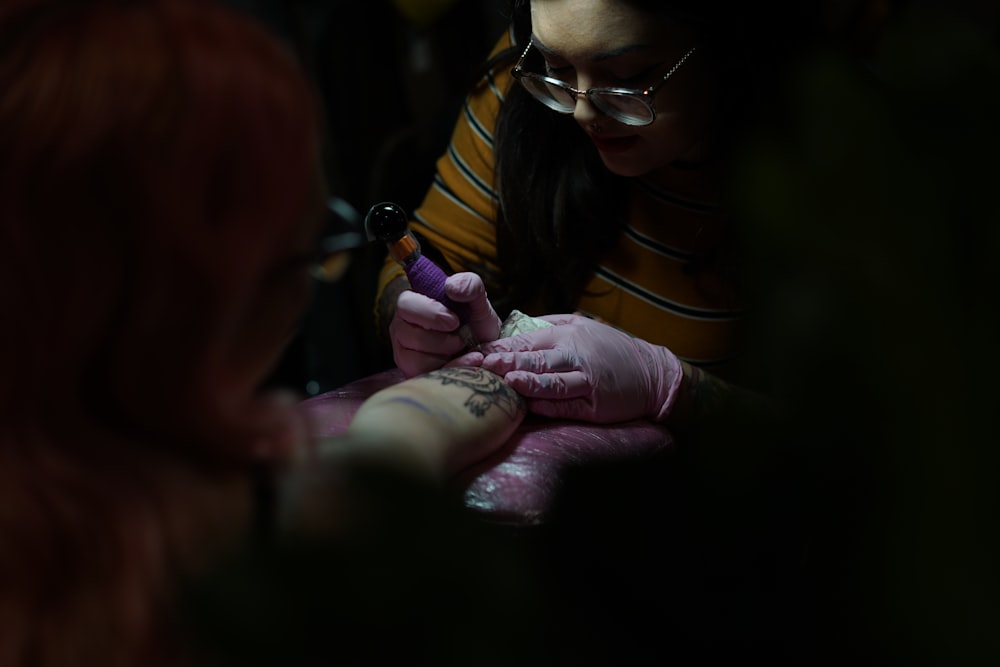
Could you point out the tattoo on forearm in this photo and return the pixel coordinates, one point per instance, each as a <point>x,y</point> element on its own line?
<point>487,390</point>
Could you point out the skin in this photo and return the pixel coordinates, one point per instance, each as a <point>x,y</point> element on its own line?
<point>435,424</point>
<point>450,418</point>
<point>431,426</point>
<point>589,43</point>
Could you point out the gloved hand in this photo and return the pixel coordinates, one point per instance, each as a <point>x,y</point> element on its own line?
<point>582,369</point>
<point>425,333</point>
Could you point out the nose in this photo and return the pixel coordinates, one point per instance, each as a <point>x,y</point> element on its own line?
<point>585,113</point>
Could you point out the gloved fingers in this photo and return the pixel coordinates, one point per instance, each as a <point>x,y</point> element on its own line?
<point>530,341</point>
<point>532,361</point>
<point>424,312</point>
<point>408,337</point>
<point>471,358</point>
<point>468,288</point>
<point>413,363</point>
<point>574,384</point>
<point>484,330</point>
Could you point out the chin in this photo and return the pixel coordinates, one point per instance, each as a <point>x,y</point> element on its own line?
<point>622,166</point>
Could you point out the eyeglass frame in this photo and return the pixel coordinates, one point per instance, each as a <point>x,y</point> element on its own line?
<point>646,96</point>
<point>343,233</point>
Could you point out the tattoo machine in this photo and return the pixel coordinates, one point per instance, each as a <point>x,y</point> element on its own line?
<point>387,222</point>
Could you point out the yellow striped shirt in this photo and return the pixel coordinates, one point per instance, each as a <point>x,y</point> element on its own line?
<point>644,286</point>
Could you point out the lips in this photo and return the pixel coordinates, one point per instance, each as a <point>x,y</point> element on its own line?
<point>613,144</point>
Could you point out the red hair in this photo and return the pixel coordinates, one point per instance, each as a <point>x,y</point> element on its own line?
<point>153,153</point>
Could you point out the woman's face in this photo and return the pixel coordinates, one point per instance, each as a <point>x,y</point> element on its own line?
<point>607,43</point>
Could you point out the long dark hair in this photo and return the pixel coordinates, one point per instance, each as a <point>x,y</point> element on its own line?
<point>560,209</point>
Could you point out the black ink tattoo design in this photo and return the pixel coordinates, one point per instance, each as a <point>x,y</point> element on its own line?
<point>487,390</point>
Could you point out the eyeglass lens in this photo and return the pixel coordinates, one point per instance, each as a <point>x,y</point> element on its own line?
<point>624,108</point>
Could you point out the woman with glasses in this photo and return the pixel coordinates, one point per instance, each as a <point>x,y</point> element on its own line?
<point>586,174</point>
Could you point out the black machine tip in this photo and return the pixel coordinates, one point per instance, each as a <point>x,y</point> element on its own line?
<point>385,222</point>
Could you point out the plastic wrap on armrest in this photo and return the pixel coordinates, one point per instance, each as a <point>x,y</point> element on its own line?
<point>520,483</point>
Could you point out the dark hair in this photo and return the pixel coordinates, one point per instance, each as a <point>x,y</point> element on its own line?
<point>560,208</point>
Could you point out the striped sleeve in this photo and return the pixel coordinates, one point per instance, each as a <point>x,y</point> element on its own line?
<point>458,212</point>
<point>653,283</point>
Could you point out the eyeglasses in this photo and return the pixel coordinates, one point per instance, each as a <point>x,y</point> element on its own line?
<point>342,233</point>
<point>630,106</point>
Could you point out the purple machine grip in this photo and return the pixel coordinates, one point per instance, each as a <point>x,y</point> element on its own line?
<point>427,278</point>
<point>387,222</point>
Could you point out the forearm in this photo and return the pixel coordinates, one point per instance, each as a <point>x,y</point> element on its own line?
<point>704,398</point>
<point>424,429</point>
<point>444,420</point>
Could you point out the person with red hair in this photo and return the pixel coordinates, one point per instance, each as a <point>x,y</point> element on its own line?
<point>160,206</point>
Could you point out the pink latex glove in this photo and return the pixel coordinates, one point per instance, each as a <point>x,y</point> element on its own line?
<point>425,334</point>
<point>585,370</point>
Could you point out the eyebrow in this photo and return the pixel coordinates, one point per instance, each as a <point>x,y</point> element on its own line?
<point>597,57</point>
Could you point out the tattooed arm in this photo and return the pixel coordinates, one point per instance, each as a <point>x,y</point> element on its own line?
<point>434,424</point>
<point>426,428</point>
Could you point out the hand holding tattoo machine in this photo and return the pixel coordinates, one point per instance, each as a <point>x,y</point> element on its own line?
<point>387,222</point>
<point>461,293</point>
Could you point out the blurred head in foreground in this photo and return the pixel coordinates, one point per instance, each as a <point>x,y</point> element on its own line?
<point>159,203</point>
